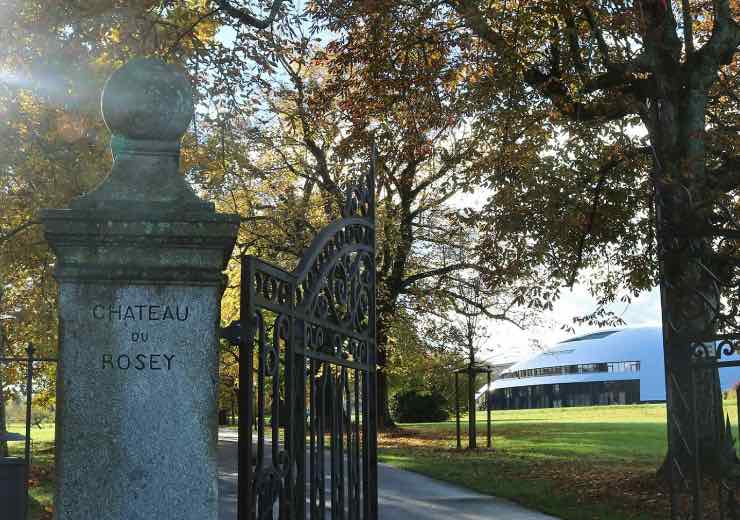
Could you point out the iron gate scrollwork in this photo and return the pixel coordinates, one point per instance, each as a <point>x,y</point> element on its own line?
<point>714,353</point>
<point>308,377</point>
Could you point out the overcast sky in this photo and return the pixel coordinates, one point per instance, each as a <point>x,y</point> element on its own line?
<point>507,343</point>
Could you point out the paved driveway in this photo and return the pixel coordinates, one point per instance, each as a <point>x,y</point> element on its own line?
<point>403,495</point>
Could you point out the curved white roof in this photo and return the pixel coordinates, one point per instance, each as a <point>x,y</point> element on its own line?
<point>643,344</point>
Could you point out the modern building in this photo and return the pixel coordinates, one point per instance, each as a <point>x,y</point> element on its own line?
<point>618,366</point>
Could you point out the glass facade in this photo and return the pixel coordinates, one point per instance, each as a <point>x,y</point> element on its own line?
<point>587,368</point>
<point>567,394</point>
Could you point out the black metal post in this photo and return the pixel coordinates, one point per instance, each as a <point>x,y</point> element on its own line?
<point>457,411</point>
<point>472,426</point>
<point>29,397</point>
<point>488,410</point>
<point>372,428</point>
<point>245,505</point>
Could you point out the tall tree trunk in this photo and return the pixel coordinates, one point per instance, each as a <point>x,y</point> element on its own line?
<point>688,302</point>
<point>385,420</point>
<point>690,296</point>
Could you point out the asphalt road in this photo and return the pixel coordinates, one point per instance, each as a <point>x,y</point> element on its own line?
<point>403,495</point>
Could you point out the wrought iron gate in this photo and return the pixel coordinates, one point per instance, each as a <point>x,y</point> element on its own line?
<point>714,354</point>
<point>307,376</point>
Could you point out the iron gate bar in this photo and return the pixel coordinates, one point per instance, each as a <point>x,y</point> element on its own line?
<point>320,324</point>
<point>710,364</point>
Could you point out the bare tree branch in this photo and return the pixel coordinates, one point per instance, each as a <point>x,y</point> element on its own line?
<point>10,234</point>
<point>248,18</point>
<point>572,35</point>
<point>725,178</point>
<point>469,11</point>
<point>720,48</point>
<point>613,107</point>
<point>443,270</point>
<point>597,33</point>
<point>484,311</point>
<point>595,202</point>
<point>189,30</point>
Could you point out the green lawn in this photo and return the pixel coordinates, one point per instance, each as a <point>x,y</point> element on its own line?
<point>575,463</point>
<point>604,433</point>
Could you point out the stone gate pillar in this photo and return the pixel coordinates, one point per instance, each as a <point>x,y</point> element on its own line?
<point>139,266</point>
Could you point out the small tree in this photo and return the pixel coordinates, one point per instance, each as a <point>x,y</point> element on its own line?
<point>464,331</point>
<point>471,334</point>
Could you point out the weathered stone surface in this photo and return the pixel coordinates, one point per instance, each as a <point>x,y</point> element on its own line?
<point>137,247</point>
<point>137,412</point>
<point>147,106</point>
<point>148,100</point>
<point>139,265</point>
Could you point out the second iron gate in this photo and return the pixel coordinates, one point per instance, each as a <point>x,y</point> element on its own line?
<point>308,409</point>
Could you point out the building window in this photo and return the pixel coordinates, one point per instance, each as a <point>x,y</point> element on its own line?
<point>585,368</point>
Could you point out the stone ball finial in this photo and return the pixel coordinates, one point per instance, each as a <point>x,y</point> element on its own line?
<point>147,100</point>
